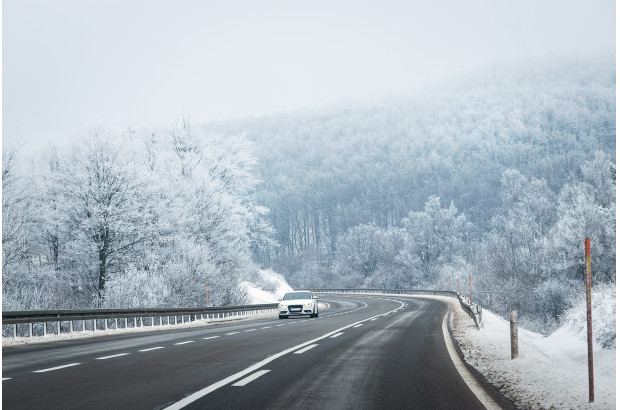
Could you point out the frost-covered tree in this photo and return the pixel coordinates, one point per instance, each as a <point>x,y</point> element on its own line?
<point>434,237</point>
<point>105,207</point>
<point>587,209</point>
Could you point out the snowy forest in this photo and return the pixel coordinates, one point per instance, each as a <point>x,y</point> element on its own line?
<point>500,176</point>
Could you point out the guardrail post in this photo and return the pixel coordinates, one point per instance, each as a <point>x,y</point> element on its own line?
<point>58,329</point>
<point>71,326</point>
<point>30,329</point>
<point>514,335</point>
<point>14,330</point>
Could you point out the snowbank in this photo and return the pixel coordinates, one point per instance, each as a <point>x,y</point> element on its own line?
<point>270,287</point>
<point>550,372</point>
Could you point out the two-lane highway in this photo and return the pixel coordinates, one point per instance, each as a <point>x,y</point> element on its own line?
<point>362,352</point>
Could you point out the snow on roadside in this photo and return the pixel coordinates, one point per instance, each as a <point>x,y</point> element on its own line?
<point>550,372</point>
<point>271,286</point>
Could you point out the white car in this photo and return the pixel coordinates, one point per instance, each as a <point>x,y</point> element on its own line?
<point>298,303</point>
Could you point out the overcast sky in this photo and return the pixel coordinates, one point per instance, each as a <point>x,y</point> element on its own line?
<point>69,65</point>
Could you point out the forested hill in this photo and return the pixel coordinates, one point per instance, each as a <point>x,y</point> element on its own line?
<point>500,175</point>
<point>325,172</point>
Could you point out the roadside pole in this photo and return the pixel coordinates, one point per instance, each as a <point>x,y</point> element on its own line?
<point>514,335</point>
<point>589,319</point>
<point>207,294</point>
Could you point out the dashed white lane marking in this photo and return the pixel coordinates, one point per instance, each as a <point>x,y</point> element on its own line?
<point>152,348</point>
<point>210,337</point>
<point>267,327</point>
<point>56,368</point>
<point>113,356</point>
<point>361,324</point>
<point>6,378</point>
<point>471,382</point>
<point>283,324</point>
<point>184,343</point>
<point>251,330</point>
<point>251,378</point>
<point>213,387</point>
<point>305,349</point>
<point>374,318</point>
<point>231,333</point>
<point>336,335</point>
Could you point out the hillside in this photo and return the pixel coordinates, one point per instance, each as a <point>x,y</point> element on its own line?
<point>489,175</point>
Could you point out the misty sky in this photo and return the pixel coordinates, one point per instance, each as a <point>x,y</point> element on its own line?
<point>70,65</point>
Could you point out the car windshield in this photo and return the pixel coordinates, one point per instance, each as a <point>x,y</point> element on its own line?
<point>297,295</point>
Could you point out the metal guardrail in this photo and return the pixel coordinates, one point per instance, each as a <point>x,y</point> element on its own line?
<point>15,318</point>
<point>59,316</point>
<point>474,311</point>
<point>448,293</point>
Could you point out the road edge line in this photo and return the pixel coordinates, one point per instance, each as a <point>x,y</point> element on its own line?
<point>486,400</point>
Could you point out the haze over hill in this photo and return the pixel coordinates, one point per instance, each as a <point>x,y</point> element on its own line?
<point>486,144</point>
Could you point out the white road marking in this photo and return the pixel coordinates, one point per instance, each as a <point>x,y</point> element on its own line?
<point>210,337</point>
<point>231,333</point>
<point>305,349</point>
<point>283,324</point>
<point>336,335</point>
<point>267,327</point>
<point>471,382</point>
<point>251,330</point>
<point>56,368</point>
<point>184,343</point>
<point>6,378</point>
<point>110,357</point>
<point>251,378</point>
<point>213,387</point>
<point>361,324</point>
<point>152,348</point>
<point>374,318</point>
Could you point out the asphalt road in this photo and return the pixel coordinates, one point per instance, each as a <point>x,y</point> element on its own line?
<point>364,352</point>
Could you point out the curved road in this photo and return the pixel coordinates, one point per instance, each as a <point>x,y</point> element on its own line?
<point>364,352</point>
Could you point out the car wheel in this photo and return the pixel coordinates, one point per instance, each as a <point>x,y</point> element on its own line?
<point>317,313</point>
<point>281,316</point>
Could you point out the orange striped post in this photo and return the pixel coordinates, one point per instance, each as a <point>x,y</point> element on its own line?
<point>589,319</point>
<point>471,298</point>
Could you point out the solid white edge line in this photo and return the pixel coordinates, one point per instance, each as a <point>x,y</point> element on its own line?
<point>305,349</point>
<point>56,368</point>
<point>6,378</point>
<point>467,377</point>
<point>251,378</point>
<point>110,357</point>
<point>209,389</point>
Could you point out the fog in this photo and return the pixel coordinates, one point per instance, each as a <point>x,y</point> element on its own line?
<point>72,65</point>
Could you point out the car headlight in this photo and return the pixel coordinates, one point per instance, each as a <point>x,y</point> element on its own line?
<point>282,306</point>
<point>308,305</point>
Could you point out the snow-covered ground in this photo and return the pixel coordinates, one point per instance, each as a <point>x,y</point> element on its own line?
<point>550,372</point>
<point>270,287</point>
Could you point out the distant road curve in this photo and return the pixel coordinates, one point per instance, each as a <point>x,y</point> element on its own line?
<point>364,352</point>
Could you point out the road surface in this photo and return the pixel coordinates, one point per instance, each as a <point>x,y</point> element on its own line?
<point>364,352</point>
